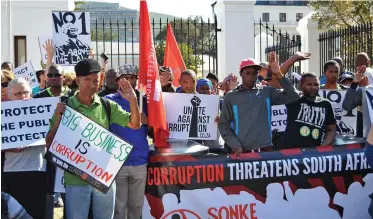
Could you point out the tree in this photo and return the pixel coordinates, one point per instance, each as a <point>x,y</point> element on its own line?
<point>191,60</point>
<point>79,5</point>
<point>337,14</point>
<point>100,37</point>
<point>195,32</point>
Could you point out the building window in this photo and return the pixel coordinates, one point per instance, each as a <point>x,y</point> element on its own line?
<point>265,17</point>
<point>20,54</point>
<point>282,17</point>
<point>299,16</point>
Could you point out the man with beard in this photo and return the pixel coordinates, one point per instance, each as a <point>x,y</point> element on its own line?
<point>79,194</point>
<point>111,86</point>
<point>310,118</point>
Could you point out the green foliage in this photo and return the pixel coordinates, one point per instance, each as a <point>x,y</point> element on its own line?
<point>99,36</point>
<point>190,59</point>
<point>332,14</point>
<point>79,5</point>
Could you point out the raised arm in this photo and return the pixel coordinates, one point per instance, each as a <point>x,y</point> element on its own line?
<point>50,49</point>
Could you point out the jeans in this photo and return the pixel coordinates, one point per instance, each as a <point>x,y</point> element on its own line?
<point>78,200</point>
<point>131,181</point>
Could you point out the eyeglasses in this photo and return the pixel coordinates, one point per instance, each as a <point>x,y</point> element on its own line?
<point>21,93</point>
<point>4,84</point>
<point>50,75</point>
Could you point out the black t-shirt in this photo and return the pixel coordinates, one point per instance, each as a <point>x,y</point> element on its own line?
<point>307,122</point>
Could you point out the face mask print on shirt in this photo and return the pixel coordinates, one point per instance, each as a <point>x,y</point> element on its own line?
<point>311,115</point>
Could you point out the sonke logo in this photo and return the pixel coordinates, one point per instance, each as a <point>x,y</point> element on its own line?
<point>241,211</point>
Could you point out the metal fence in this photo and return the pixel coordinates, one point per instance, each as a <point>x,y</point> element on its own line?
<point>346,43</point>
<point>270,40</point>
<point>119,40</point>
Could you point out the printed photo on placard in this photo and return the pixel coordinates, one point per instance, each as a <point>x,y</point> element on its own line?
<point>192,116</point>
<point>44,56</point>
<point>27,72</point>
<point>71,36</point>
<point>346,120</point>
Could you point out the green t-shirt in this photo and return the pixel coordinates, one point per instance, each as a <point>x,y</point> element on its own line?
<point>96,112</point>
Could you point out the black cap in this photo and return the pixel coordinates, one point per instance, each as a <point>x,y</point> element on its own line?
<point>86,67</point>
<point>346,76</point>
<point>212,75</point>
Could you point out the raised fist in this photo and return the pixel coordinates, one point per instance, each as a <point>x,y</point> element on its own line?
<point>195,101</point>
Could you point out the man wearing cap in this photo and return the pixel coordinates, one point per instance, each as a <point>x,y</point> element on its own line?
<point>245,121</point>
<point>78,193</point>
<point>215,82</point>
<point>131,179</point>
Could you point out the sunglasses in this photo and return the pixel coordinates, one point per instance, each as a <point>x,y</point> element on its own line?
<point>4,84</point>
<point>50,75</point>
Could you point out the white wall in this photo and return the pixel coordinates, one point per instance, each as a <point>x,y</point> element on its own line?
<point>31,19</point>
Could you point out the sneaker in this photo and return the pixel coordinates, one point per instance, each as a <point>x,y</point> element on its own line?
<point>58,203</point>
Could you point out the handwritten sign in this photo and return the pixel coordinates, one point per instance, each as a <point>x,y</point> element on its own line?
<point>192,116</point>
<point>279,118</point>
<point>26,123</point>
<point>27,72</point>
<point>90,152</point>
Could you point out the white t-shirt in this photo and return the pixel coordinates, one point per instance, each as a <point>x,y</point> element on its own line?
<point>369,74</point>
<point>30,159</point>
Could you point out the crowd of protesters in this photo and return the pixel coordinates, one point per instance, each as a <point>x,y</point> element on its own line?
<point>110,98</point>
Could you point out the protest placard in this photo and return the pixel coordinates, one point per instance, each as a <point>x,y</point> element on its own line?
<point>369,98</point>
<point>346,120</point>
<point>90,151</point>
<point>279,116</point>
<point>59,182</point>
<point>27,72</point>
<point>43,53</point>
<point>71,36</point>
<point>192,116</point>
<point>26,122</point>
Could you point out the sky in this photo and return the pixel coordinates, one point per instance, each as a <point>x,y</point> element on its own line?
<point>179,8</point>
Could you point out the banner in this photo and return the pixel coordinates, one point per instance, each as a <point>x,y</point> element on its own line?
<point>279,116</point>
<point>71,36</point>
<point>90,152</point>
<point>326,182</point>
<point>27,72</point>
<point>59,182</point>
<point>346,120</point>
<point>192,116</point>
<point>369,97</point>
<point>44,56</point>
<point>25,123</point>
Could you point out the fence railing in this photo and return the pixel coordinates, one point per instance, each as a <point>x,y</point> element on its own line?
<point>119,39</point>
<point>268,39</point>
<point>346,43</point>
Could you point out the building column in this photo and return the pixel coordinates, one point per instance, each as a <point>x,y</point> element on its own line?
<point>309,33</point>
<point>236,39</point>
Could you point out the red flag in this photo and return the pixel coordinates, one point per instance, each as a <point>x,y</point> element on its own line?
<point>172,56</point>
<point>149,79</point>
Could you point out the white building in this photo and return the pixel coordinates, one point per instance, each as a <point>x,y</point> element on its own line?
<point>22,22</point>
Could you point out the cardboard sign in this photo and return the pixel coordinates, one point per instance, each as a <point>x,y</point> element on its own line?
<point>44,55</point>
<point>192,116</point>
<point>71,36</point>
<point>27,72</point>
<point>346,120</point>
<point>59,182</point>
<point>279,116</point>
<point>26,122</point>
<point>369,98</point>
<point>87,150</point>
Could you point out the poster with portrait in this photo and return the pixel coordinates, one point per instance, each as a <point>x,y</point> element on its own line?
<point>71,36</point>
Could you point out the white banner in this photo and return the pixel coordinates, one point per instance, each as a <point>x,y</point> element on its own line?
<point>346,120</point>
<point>89,152</point>
<point>279,116</point>
<point>59,183</point>
<point>71,35</point>
<point>44,55</point>
<point>26,122</point>
<point>369,97</point>
<point>192,116</point>
<point>27,72</point>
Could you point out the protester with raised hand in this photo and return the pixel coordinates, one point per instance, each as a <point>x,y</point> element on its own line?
<point>356,97</point>
<point>78,193</point>
<point>166,78</point>
<point>24,167</point>
<point>245,123</point>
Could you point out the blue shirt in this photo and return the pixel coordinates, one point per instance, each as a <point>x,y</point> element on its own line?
<point>36,90</point>
<point>137,138</point>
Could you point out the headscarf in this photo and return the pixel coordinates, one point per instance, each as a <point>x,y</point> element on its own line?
<point>204,82</point>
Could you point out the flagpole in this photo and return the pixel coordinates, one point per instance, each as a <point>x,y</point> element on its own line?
<point>141,99</point>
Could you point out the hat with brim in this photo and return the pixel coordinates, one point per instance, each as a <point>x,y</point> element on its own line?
<point>346,77</point>
<point>213,76</point>
<point>126,70</point>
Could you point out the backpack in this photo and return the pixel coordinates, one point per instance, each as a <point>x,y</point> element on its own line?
<point>104,102</point>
